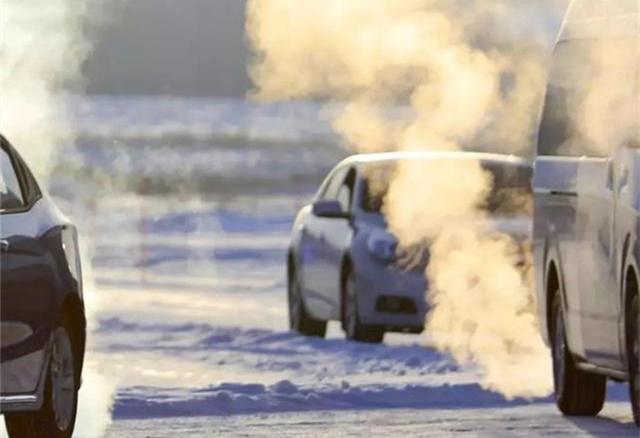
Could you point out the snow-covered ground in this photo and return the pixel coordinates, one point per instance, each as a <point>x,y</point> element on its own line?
<point>195,323</point>
<point>192,329</point>
<point>186,210</point>
<point>523,421</point>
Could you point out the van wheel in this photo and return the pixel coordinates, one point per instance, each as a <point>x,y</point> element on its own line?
<point>576,392</point>
<point>634,358</point>
<point>354,329</point>
<point>299,318</point>
<point>56,418</point>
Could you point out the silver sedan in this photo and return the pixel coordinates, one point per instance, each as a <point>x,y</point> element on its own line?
<point>344,264</point>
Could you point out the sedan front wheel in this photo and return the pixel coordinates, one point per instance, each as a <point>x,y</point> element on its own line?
<point>354,329</point>
<point>56,417</point>
<point>299,318</point>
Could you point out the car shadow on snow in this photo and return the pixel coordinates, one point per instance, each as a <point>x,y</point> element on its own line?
<point>605,427</point>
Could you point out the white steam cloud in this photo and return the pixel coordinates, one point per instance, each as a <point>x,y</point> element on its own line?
<point>42,48</point>
<point>472,76</point>
<point>41,51</point>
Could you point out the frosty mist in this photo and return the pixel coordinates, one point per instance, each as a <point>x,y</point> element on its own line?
<point>42,47</point>
<point>468,74</point>
<point>41,50</point>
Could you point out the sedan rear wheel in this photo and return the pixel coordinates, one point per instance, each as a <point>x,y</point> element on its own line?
<point>299,318</point>
<point>354,329</point>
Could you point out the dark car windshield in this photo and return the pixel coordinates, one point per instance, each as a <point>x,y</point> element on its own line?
<point>510,195</point>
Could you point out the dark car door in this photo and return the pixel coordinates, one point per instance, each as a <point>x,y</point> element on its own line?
<point>323,245</point>
<point>27,279</point>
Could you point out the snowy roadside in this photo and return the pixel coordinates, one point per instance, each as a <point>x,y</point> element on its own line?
<point>189,370</point>
<point>523,421</point>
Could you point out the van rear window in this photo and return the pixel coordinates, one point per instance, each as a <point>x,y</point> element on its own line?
<point>590,81</point>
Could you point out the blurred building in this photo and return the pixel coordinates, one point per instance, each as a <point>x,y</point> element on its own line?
<point>169,47</point>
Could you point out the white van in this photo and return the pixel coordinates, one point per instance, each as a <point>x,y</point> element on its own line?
<point>587,201</point>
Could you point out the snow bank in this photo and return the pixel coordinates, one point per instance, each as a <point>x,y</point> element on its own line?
<point>285,396</point>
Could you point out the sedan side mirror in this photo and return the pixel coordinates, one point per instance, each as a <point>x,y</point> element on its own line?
<point>330,210</point>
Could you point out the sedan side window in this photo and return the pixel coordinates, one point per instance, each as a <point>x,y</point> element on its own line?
<point>31,190</point>
<point>344,197</point>
<point>345,192</point>
<point>11,197</point>
<point>333,186</point>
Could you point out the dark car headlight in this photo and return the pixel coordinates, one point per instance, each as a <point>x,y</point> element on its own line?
<point>71,251</point>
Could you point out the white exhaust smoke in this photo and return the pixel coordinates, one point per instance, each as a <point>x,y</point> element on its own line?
<point>42,48</point>
<point>461,74</point>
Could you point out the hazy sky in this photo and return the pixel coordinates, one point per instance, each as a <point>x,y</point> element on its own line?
<point>185,47</point>
<point>171,47</point>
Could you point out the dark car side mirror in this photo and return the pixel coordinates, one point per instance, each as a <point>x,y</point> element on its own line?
<point>329,209</point>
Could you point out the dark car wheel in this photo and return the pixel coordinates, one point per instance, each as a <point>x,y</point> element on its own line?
<point>353,327</point>
<point>56,418</point>
<point>634,358</point>
<point>299,318</point>
<point>576,392</point>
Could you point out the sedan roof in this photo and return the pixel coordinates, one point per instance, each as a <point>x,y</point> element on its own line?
<point>363,159</point>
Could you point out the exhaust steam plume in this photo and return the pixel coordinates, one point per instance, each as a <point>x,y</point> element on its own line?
<point>432,75</point>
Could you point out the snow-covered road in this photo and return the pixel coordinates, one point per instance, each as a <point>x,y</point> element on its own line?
<point>189,334</point>
<point>193,334</point>
<point>524,421</point>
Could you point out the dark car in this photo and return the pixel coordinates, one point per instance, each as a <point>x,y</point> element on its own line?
<point>586,224</point>
<point>42,319</point>
<point>345,265</point>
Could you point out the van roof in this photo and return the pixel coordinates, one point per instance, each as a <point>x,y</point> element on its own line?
<point>601,18</point>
